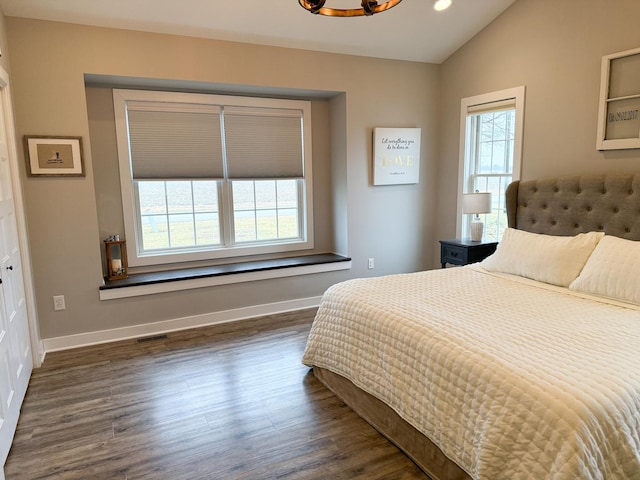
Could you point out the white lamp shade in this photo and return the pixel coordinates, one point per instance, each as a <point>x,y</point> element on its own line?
<point>476,202</point>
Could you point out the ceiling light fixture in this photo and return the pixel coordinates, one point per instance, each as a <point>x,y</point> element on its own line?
<point>368,8</point>
<point>441,5</point>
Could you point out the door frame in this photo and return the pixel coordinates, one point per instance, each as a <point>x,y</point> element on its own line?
<point>37,346</point>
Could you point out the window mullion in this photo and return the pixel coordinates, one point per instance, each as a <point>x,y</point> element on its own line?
<point>226,204</point>
<point>166,206</point>
<point>473,163</point>
<point>275,185</point>
<point>138,218</point>
<point>475,159</point>
<point>255,210</point>
<point>493,138</point>
<point>193,215</point>
<point>226,209</point>
<point>500,203</point>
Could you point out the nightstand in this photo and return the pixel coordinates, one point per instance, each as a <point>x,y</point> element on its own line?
<point>462,251</point>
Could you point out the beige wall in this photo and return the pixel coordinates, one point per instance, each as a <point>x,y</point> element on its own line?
<point>48,63</point>
<point>554,48</point>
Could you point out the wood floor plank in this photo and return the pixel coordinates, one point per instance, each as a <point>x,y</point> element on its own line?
<point>225,402</point>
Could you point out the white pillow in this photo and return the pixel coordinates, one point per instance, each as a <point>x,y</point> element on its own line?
<point>545,258</point>
<point>613,271</point>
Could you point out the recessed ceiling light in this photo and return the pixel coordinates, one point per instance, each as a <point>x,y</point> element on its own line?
<point>441,5</point>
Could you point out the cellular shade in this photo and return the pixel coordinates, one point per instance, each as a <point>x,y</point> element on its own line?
<point>173,141</point>
<point>499,106</point>
<point>263,142</point>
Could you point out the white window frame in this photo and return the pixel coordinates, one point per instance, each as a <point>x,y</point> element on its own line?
<point>129,202</point>
<point>516,95</point>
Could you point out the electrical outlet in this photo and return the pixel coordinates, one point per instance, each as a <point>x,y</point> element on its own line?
<point>371,263</point>
<point>58,302</point>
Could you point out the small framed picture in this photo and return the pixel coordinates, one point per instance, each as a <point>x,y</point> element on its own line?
<point>54,156</point>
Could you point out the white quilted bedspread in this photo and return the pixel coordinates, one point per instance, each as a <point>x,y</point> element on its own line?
<point>511,379</point>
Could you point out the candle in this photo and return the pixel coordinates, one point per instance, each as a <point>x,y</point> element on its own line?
<point>116,265</point>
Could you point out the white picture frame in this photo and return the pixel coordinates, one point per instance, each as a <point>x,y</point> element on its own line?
<point>619,112</point>
<point>49,156</point>
<point>396,156</point>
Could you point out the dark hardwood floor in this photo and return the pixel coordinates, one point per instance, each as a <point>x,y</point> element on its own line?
<point>224,402</point>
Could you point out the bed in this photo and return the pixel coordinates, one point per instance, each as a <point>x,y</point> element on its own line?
<point>526,365</point>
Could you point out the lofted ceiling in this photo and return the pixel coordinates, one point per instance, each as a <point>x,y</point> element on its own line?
<point>412,30</point>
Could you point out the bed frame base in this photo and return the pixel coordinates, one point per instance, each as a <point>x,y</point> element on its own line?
<point>385,420</point>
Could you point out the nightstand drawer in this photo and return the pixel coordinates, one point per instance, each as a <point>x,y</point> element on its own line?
<point>453,254</point>
<point>464,251</point>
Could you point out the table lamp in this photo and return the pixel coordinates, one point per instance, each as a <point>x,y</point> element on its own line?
<point>475,204</point>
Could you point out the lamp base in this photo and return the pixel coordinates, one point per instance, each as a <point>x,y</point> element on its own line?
<point>476,230</point>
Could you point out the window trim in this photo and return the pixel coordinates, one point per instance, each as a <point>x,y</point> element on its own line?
<point>129,203</point>
<point>475,103</point>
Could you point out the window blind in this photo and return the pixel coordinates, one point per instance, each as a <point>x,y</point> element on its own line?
<point>502,105</point>
<point>263,142</point>
<point>174,141</point>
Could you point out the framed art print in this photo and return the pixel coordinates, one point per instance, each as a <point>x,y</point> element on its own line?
<point>54,156</point>
<point>396,156</point>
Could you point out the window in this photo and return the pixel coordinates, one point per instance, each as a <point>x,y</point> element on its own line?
<point>491,146</point>
<point>210,176</point>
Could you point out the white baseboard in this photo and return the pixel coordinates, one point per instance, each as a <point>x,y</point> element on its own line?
<point>184,323</point>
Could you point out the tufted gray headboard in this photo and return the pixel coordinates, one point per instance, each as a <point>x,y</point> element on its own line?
<point>572,205</point>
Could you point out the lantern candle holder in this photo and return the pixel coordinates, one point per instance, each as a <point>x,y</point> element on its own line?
<point>116,255</point>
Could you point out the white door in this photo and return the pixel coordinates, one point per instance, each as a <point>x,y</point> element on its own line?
<point>15,347</point>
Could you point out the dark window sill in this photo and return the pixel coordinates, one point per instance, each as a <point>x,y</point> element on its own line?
<point>217,271</point>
